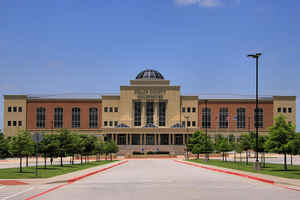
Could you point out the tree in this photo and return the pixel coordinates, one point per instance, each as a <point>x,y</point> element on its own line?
<point>48,147</point>
<point>222,145</point>
<point>239,149</point>
<point>4,152</point>
<point>20,145</point>
<point>64,139</point>
<point>99,148</point>
<point>89,145</point>
<point>199,143</point>
<point>245,142</point>
<point>279,136</point>
<point>294,146</point>
<point>110,147</point>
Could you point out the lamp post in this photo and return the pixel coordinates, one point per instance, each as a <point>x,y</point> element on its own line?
<point>256,56</point>
<point>186,142</point>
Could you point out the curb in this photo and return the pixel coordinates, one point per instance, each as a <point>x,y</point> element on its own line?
<point>72,180</point>
<point>229,172</point>
<point>12,182</point>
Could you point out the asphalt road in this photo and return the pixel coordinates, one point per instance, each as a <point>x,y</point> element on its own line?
<point>158,179</point>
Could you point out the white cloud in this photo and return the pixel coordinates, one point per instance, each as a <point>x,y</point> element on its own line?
<point>204,3</point>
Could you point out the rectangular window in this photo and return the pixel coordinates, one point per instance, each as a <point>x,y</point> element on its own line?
<point>8,123</point>
<point>279,110</point>
<point>164,139</point>
<point>137,113</point>
<point>289,110</point>
<point>116,123</point>
<point>193,123</point>
<point>188,123</point>
<point>105,123</point>
<point>110,123</point>
<point>19,109</point>
<point>149,139</point>
<point>149,112</point>
<point>58,117</point>
<point>223,118</point>
<point>178,139</point>
<point>193,109</point>
<point>40,117</point>
<point>183,109</point>
<point>116,109</point>
<point>19,123</point>
<point>110,109</point>
<point>259,118</point>
<point>14,123</point>
<point>206,118</point>
<point>162,114</point>
<point>188,109</point>
<point>15,109</point>
<point>241,118</point>
<point>105,109</point>
<point>9,109</point>
<point>183,123</point>
<point>121,139</point>
<point>284,110</point>
<point>75,117</point>
<point>93,115</point>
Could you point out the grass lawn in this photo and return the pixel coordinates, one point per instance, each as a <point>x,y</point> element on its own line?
<point>270,169</point>
<point>50,171</point>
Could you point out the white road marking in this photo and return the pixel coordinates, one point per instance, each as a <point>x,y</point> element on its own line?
<point>16,194</point>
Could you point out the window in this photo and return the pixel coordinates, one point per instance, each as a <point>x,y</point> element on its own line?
<point>116,109</point>
<point>105,109</point>
<point>76,117</point>
<point>164,139</point>
<point>19,123</point>
<point>19,109</point>
<point>284,110</point>
<point>40,117</point>
<point>8,123</point>
<point>110,109</point>
<point>188,123</point>
<point>149,112</point>
<point>193,109</point>
<point>15,109</point>
<point>289,110</point>
<point>259,118</point>
<point>183,123</point>
<point>149,139</point>
<point>116,123</point>
<point>121,139</point>
<point>135,139</point>
<point>58,117</point>
<point>93,117</point>
<point>9,109</point>
<point>188,109</point>
<point>183,109</point>
<point>241,118</point>
<point>110,123</point>
<point>223,118</point>
<point>279,110</point>
<point>178,139</point>
<point>14,123</point>
<point>105,123</point>
<point>206,119</point>
<point>137,113</point>
<point>193,123</point>
<point>162,114</point>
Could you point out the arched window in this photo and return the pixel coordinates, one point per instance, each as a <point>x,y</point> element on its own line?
<point>223,118</point>
<point>241,118</point>
<point>206,119</point>
<point>75,117</point>
<point>58,117</point>
<point>41,117</point>
<point>93,118</point>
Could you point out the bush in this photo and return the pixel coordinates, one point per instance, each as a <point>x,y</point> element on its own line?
<point>162,152</point>
<point>137,153</point>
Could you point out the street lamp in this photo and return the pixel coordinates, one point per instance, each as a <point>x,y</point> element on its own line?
<point>256,56</point>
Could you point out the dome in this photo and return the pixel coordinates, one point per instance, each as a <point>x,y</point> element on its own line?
<point>150,74</point>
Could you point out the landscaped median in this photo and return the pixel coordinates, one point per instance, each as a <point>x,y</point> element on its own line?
<point>293,172</point>
<point>50,171</point>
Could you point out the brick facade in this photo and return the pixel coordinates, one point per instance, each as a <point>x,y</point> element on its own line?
<point>67,105</point>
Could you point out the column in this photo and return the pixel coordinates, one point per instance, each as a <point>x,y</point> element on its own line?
<point>155,113</point>
<point>184,138</point>
<point>116,138</point>
<point>140,139</point>
<point>155,136</point>
<point>158,139</point>
<point>143,114</point>
<point>169,137</point>
<point>126,139</point>
<point>130,139</point>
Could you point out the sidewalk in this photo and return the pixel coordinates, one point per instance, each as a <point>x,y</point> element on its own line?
<point>65,177</point>
<point>275,179</point>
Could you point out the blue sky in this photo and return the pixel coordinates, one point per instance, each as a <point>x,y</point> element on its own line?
<point>75,46</point>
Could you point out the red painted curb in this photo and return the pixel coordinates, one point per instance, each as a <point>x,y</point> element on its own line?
<point>228,172</point>
<point>70,181</point>
<point>12,182</point>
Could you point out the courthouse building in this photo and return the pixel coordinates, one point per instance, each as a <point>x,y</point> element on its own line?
<point>150,114</point>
